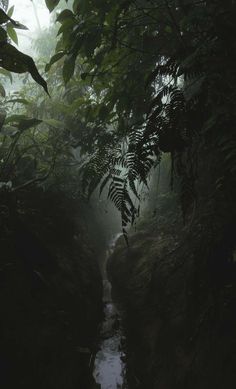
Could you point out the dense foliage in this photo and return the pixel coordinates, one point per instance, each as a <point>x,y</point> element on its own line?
<point>159,77</point>
<point>141,78</point>
<point>115,89</point>
<point>50,285</point>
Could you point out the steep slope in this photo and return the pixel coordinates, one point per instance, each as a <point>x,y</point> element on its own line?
<point>177,284</point>
<point>51,292</point>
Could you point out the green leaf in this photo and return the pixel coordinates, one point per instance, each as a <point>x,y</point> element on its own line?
<point>18,25</point>
<point>54,59</point>
<point>51,4</point>
<point>20,101</point>
<point>65,15</point>
<point>68,68</point>
<point>15,118</point>
<point>67,27</point>
<point>22,121</point>
<point>4,18</point>
<point>10,11</point>
<point>15,61</point>
<point>24,124</point>
<point>76,5</point>
<point>12,34</point>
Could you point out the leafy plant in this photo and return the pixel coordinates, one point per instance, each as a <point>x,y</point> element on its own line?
<point>11,59</point>
<point>161,89</point>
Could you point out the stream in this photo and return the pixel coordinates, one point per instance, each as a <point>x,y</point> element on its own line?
<point>109,366</point>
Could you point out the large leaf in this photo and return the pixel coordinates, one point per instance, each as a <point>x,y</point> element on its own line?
<point>65,15</point>
<point>10,11</point>
<point>4,18</point>
<point>15,61</point>
<point>15,118</point>
<point>18,100</point>
<point>12,34</point>
<point>54,59</point>
<point>23,122</point>
<point>66,29</point>
<point>51,4</point>
<point>28,123</point>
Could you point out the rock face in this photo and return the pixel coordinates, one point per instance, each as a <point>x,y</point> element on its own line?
<point>51,295</point>
<point>178,289</point>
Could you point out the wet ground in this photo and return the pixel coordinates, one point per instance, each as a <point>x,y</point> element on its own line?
<point>110,367</point>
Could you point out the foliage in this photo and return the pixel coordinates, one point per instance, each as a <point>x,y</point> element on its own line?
<point>12,59</point>
<point>19,148</point>
<point>156,81</point>
<point>33,141</point>
<point>126,101</point>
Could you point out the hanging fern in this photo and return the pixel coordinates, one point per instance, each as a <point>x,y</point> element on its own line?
<point>161,96</point>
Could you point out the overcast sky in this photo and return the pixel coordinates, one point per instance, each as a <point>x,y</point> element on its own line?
<point>24,13</point>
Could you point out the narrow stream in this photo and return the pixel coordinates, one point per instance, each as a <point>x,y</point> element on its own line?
<point>109,366</point>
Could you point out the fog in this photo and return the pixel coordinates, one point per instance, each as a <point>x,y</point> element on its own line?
<point>34,15</point>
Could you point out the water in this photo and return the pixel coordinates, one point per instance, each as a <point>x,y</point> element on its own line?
<point>109,366</point>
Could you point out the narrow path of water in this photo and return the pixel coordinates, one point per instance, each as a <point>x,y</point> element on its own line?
<point>109,366</point>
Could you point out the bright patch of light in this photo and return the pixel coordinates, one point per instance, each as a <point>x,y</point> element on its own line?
<point>33,19</point>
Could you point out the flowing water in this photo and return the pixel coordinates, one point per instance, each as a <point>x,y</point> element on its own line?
<point>109,366</point>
